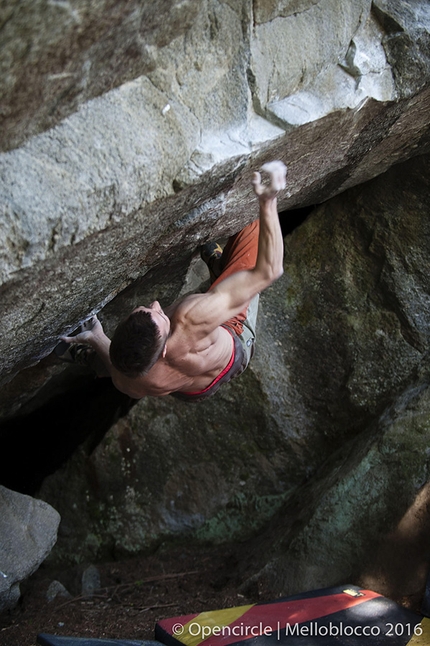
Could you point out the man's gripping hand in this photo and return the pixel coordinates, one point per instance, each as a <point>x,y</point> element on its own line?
<point>90,331</point>
<point>277,172</point>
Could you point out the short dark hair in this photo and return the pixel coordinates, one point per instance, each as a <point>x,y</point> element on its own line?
<point>136,344</point>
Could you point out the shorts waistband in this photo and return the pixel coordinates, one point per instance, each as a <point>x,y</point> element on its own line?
<point>233,368</point>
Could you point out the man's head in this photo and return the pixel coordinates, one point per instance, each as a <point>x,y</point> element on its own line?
<point>140,340</point>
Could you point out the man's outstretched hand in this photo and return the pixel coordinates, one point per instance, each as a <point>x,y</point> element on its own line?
<point>277,172</point>
<point>91,330</point>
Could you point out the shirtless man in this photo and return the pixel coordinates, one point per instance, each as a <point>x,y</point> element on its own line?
<point>194,345</point>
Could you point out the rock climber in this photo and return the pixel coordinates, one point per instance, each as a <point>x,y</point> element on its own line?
<point>191,347</point>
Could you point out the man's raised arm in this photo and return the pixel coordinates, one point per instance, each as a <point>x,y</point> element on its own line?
<point>229,296</point>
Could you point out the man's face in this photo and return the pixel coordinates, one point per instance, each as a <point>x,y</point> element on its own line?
<point>160,319</point>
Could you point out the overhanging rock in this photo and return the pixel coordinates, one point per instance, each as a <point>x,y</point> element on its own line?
<point>126,178</point>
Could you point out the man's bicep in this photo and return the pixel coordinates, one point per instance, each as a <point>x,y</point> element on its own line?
<point>224,301</point>
<point>238,288</point>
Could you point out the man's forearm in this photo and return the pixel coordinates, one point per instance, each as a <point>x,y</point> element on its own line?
<point>100,343</point>
<point>270,257</point>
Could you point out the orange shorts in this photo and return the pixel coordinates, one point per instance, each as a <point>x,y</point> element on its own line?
<point>239,253</point>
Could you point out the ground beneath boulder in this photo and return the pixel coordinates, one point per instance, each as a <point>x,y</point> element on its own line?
<point>134,595</point>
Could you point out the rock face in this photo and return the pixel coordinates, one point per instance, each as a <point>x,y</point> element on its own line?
<point>365,515</point>
<point>99,199</point>
<point>28,530</point>
<point>130,131</point>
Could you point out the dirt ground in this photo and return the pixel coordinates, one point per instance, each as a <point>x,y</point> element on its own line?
<point>135,594</point>
<point>138,592</point>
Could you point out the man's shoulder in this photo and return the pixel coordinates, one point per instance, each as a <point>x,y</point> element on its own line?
<point>180,313</point>
<point>200,314</point>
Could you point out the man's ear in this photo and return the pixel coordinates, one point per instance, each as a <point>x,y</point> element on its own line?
<point>163,354</point>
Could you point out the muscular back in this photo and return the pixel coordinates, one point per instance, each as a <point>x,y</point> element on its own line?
<point>191,361</point>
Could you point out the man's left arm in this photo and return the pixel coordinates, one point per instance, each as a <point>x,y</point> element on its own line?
<point>95,338</point>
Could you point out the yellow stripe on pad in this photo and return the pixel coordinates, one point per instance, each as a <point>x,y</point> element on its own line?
<point>208,621</point>
<point>424,639</point>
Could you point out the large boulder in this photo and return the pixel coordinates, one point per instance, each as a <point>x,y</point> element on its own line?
<point>28,529</point>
